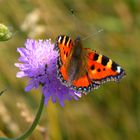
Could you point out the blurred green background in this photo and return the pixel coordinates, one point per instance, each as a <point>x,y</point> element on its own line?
<point>113,112</point>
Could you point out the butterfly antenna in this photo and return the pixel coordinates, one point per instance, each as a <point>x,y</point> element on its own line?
<point>100,30</point>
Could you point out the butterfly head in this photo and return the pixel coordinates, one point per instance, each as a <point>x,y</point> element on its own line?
<point>78,38</point>
<point>77,41</point>
<point>77,47</point>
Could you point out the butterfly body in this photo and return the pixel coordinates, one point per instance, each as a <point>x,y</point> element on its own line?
<point>83,69</point>
<point>75,65</point>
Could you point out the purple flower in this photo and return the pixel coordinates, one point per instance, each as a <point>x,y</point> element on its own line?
<point>38,62</point>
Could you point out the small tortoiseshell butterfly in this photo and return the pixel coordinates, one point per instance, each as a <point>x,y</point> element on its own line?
<point>81,68</point>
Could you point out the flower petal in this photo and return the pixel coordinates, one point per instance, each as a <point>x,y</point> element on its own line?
<point>20,74</point>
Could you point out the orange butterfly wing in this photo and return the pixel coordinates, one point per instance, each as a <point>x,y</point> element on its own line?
<point>64,46</point>
<point>102,69</point>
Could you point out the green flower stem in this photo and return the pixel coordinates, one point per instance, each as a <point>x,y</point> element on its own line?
<point>1,92</point>
<point>34,124</point>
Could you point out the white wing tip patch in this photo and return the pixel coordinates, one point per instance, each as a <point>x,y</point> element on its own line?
<point>118,69</point>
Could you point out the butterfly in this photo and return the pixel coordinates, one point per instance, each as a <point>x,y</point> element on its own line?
<point>83,69</point>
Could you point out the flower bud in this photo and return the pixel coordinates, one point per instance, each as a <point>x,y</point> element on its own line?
<point>5,34</point>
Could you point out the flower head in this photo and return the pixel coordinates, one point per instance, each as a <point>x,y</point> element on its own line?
<point>38,62</point>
